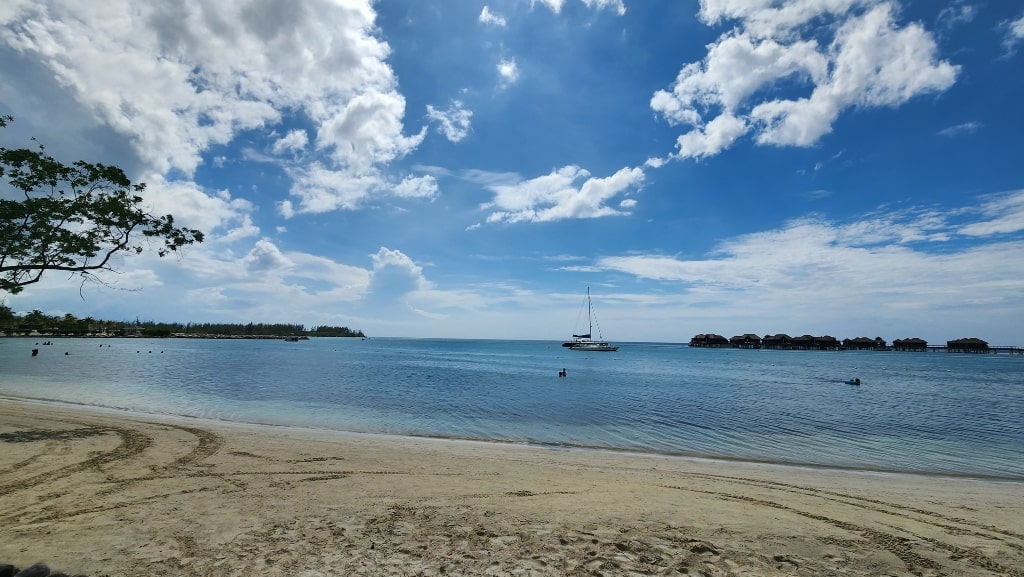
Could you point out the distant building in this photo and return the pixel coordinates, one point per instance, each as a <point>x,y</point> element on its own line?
<point>826,343</point>
<point>780,341</point>
<point>812,343</point>
<point>803,342</point>
<point>747,341</point>
<point>913,344</point>
<point>864,344</point>
<point>709,341</point>
<point>968,345</point>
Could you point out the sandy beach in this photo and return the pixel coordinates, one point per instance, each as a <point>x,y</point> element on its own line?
<point>107,493</point>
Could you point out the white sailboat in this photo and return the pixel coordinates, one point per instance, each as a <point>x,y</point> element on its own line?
<point>585,342</point>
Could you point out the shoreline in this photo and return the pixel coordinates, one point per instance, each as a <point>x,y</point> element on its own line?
<point>109,493</point>
<point>639,453</point>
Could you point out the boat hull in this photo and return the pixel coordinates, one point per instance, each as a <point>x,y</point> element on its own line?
<point>594,346</point>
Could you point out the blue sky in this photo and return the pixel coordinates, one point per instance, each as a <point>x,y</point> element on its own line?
<point>467,169</point>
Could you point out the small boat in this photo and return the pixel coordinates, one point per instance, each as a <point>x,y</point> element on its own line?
<point>855,381</point>
<point>584,342</point>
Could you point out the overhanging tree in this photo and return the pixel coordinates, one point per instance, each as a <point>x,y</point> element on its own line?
<point>72,218</point>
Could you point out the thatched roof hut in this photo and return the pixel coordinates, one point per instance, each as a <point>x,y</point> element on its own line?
<point>968,345</point>
<point>864,344</point>
<point>911,344</point>
<point>779,341</point>
<point>709,340</point>
<point>747,341</point>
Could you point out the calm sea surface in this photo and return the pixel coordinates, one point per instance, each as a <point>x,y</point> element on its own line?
<point>920,412</point>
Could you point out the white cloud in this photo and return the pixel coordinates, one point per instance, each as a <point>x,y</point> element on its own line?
<point>488,17</point>
<point>964,128</point>
<point>265,258</point>
<point>453,123</point>
<point>286,209</point>
<point>767,18</point>
<point>655,162</point>
<point>218,215</point>
<point>883,265</point>
<point>1005,214</point>
<point>367,130</point>
<point>714,137</point>
<point>508,71</point>
<point>870,62</point>
<point>569,192</point>
<point>417,187</point>
<point>176,79</point>
<point>956,14</point>
<point>294,141</point>
<point>395,280</point>
<point>556,5</point>
<point>617,5</point>
<point>1017,28</point>
<point>320,188</point>
<point>386,257</point>
<point>1014,32</point>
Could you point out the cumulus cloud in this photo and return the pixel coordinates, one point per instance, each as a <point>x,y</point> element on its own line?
<point>417,187</point>
<point>320,188</point>
<point>569,192</point>
<point>265,257</point>
<point>218,215</point>
<point>454,122</point>
<point>871,61</point>
<point>508,71</point>
<point>176,79</point>
<point>393,278</point>
<point>294,141</point>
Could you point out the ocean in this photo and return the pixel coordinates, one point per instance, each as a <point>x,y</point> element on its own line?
<point>931,413</point>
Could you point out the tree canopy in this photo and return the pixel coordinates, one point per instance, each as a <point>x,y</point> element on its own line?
<point>38,322</point>
<point>73,218</point>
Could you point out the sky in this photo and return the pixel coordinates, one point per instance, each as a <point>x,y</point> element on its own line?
<point>429,168</point>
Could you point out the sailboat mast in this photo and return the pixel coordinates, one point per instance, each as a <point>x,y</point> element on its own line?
<point>590,314</point>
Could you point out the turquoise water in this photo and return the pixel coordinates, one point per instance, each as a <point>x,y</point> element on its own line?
<point>934,413</point>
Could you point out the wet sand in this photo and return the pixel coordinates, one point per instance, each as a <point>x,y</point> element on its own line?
<point>107,493</point>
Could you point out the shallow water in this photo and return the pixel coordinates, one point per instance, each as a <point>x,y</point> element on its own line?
<point>922,412</point>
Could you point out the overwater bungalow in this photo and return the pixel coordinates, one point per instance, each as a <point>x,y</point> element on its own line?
<point>747,341</point>
<point>709,341</point>
<point>827,343</point>
<point>780,341</point>
<point>865,344</point>
<point>968,345</point>
<point>812,343</point>
<point>912,345</point>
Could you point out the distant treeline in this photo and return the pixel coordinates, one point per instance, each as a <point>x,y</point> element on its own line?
<point>12,324</point>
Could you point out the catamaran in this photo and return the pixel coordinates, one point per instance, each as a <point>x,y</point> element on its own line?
<point>585,342</point>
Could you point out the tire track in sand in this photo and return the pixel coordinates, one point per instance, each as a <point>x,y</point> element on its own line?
<point>133,443</point>
<point>905,545</point>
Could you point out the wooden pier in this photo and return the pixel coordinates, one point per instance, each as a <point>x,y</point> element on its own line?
<point>988,351</point>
